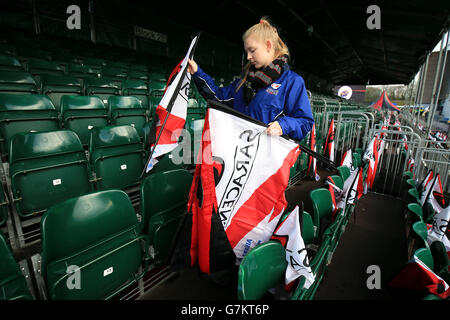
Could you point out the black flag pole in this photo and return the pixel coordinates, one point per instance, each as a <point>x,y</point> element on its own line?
<point>170,105</point>
<point>319,157</point>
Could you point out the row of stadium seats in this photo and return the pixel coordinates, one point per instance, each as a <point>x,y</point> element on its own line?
<point>24,113</point>
<point>113,252</point>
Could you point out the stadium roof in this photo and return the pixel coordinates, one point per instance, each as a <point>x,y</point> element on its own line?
<point>339,47</point>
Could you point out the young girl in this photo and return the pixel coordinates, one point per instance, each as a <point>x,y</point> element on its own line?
<point>268,89</point>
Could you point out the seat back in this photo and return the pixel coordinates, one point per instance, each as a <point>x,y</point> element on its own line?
<point>95,233</point>
<point>338,181</point>
<point>420,229</point>
<point>4,208</point>
<point>57,86</point>
<point>424,255</point>
<point>39,67</point>
<point>344,172</point>
<point>117,156</point>
<point>138,89</point>
<point>156,93</point>
<point>46,168</point>
<point>164,194</point>
<point>101,87</point>
<point>25,113</point>
<point>12,282</point>
<point>17,82</point>
<point>416,210</point>
<point>9,63</point>
<point>411,183</point>
<point>138,75</point>
<point>127,111</point>
<point>262,268</point>
<point>308,229</point>
<point>414,193</point>
<point>322,204</point>
<point>81,113</point>
<point>356,159</point>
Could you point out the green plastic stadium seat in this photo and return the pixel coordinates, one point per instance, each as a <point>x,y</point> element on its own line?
<point>156,93</point>
<point>81,72</point>
<point>117,75</point>
<point>81,113</point>
<point>138,89</point>
<point>157,76</point>
<point>408,174</point>
<point>101,87</point>
<point>96,233</point>
<point>411,183</point>
<point>13,285</point>
<point>344,172</point>
<point>424,255</point>
<point>308,229</point>
<point>164,196</point>
<point>25,113</point>
<point>10,63</point>
<point>37,68</point>
<point>420,229</point>
<point>323,208</point>
<point>262,268</point>
<point>137,67</point>
<point>356,159</point>
<point>127,111</point>
<point>138,75</point>
<point>3,206</point>
<point>414,194</point>
<point>116,156</point>
<point>195,128</point>
<point>338,181</point>
<point>53,160</point>
<point>415,212</point>
<point>57,86</point>
<point>17,82</point>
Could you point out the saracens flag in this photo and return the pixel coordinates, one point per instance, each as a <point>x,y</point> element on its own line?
<point>371,155</point>
<point>416,275</point>
<point>238,192</point>
<point>170,115</point>
<point>329,143</point>
<point>289,234</point>
<point>433,194</point>
<point>347,159</point>
<point>437,232</point>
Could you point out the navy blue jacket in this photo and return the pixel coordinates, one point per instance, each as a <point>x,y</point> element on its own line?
<point>286,96</point>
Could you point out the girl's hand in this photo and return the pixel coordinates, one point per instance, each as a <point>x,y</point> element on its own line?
<point>274,129</point>
<point>192,66</point>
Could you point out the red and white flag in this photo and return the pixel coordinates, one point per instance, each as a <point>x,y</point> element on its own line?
<point>337,195</point>
<point>238,192</point>
<point>416,275</point>
<point>171,112</point>
<point>312,167</point>
<point>329,143</point>
<point>289,234</point>
<point>437,232</point>
<point>433,194</point>
<point>347,159</point>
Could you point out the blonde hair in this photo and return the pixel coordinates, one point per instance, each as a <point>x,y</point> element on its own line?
<point>264,30</point>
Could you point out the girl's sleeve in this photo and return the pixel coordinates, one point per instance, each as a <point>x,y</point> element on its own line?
<point>209,90</point>
<point>298,119</point>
